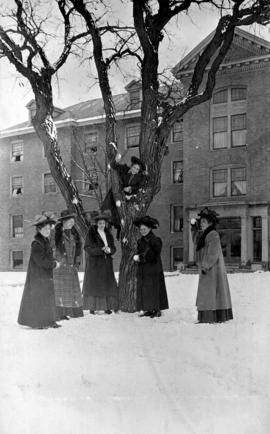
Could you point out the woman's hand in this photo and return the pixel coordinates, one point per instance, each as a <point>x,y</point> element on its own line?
<point>106,249</point>
<point>136,258</point>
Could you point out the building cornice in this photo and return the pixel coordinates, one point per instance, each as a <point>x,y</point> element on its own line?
<point>248,63</point>
<point>72,122</point>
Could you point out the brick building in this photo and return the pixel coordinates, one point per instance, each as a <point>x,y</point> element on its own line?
<point>227,151</point>
<point>222,147</point>
<point>30,188</point>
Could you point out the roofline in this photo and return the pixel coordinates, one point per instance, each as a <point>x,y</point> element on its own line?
<point>224,65</point>
<point>196,50</point>
<point>69,122</point>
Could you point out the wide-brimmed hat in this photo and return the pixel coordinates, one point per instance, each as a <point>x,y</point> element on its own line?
<point>136,160</point>
<point>148,221</point>
<point>105,215</point>
<point>209,214</point>
<point>66,214</point>
<point>43,220</point>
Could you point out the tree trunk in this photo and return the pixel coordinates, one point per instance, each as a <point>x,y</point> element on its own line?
<point>46,130</point>
<point>129,211</point>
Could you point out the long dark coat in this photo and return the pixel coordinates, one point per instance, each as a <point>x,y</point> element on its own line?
<point>213,290</point>
<point>66,280</point>
<point>99,279</point>
<point>151,288</point>
<point>38,301</point>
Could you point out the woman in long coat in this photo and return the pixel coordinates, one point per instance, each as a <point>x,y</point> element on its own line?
<point>213,297</point>
<point>68,295</point>
<point>151,288</point>
<point>100,290</point>
<point>37,308</point>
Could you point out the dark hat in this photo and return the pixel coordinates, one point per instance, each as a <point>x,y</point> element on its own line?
<point>136,160</point>
<point>148,221</point>
<point>209,214</point>
<point>105,215</point>
<point>66,214</point>
<point>43,220</point>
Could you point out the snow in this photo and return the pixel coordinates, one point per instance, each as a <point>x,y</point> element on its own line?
<point>121,374</point>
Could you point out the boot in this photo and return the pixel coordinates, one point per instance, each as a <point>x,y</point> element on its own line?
<point>147,313</point>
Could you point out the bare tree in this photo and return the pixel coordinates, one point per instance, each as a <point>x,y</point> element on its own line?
<point>158,115</point>
<point>23,37</point>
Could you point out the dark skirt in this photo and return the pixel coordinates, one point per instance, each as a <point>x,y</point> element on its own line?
<point>37,308</point>
<point>100,303</point>
<point>214,316</point>
<point>73,312</point>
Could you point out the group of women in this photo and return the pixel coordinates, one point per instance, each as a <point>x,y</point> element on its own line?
<point>52,289</point>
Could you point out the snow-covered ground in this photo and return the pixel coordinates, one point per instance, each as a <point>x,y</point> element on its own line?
<point>121,374</point>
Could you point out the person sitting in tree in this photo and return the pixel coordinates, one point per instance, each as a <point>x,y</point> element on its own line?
<point>131,178</point>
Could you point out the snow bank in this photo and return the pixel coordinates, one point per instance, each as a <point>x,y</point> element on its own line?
<point>121,374</point>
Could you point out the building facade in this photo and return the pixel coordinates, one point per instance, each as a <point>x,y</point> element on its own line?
<point>227,152</point>
<point>218,156</point>
<point>29,188</point>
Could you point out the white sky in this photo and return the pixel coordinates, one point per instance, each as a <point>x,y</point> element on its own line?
<point>75,83</point>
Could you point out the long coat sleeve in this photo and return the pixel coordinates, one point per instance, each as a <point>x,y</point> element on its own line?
<point>213,289</point>
<point>99,279</point>
<point>151,288</point>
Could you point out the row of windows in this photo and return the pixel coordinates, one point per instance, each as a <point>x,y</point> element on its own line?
<point>17,226</point>
<point>17,185</point>
<point>91,140</point>
<point>16,258</point>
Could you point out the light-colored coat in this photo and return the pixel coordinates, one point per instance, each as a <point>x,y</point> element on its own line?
<point>213,290</point>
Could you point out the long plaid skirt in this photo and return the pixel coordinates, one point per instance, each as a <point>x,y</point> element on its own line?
<point>67,287</point>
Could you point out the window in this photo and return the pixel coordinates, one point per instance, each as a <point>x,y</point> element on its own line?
<point>239,130</point>
<point>177,131</point>
<point>238,182</point>
<point>220,129</point>
<point>220,97</point>
<point>17,226</point>
<point>17,186</point>
<point>176,257</point>
<point>177,172</point>
<point>49,184</point>
<point>133,136</point>
<point>228,118</point>
<point>257,238</point>
<point>17,151</point>
<point>17,260</point>
<point>176,218</point>
<point>135,102</point>
<point>238,93</point>
<point>220,182</point>
<point>229,182</point>
<point>91,140</point>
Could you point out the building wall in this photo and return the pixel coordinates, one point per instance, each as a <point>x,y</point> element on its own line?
<point>34,200</point>
<point>199,159</point>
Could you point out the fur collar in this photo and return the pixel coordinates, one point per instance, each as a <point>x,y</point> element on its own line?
<point>201,240</point>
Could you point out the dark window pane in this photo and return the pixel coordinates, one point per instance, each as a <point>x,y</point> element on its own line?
<point>17,259</point>
<point>238,93</point>
<point>220,96</point>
